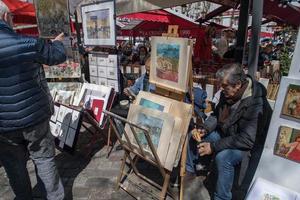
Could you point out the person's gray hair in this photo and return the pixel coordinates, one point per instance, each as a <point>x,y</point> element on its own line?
<point>233,73</point>
<point>3,9</point>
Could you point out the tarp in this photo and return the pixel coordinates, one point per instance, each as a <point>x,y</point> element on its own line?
<point>24,13</point>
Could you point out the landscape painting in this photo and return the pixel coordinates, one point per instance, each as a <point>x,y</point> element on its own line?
<point>167,61</point>
<point>291,106</point>
<point>150,104</point>
<point>288,143</point>
<point>52,17</point>
<point>98,24</point>
<point>170,63</point>
<point>153,101</point>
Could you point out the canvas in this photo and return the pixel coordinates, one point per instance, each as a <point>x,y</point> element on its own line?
<point>288,143</point>
<point>52,17</point>
<point>89,92</point>
<point>291,106</point>
<point>160,126</point>
<point>170,62</point>
<point>153,101</point>
<point>99,24</point>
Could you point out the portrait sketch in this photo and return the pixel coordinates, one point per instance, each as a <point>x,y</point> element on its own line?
<point>99,24</point>
<point>291,105</point>
<point>170,62</point>
<point>52,17</point>
<point>288,143</point>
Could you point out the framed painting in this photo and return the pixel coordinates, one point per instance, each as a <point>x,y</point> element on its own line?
<point>90,93</point>
<point>288,143</point>
<point>64,97</point>
<point>99,24</point>
<point>291,105</point>
<point>153,101</point>
<point>52,17</point>
<point>74,87</point>
<point>160,126</point>
<point>170,62</point>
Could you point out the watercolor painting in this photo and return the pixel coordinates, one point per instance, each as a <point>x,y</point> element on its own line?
<point>288,143</point>
<point>167,61</point>
<point>98,25</point>
<point>150,104</point>
<point>291,106</point>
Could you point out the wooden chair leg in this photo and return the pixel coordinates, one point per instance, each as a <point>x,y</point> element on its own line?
<point>121,170</point>
<point>165,186</point>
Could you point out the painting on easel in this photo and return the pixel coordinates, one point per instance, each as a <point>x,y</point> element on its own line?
<point>170,62</point>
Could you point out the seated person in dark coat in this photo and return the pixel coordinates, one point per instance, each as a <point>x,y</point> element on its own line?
<point>236,130</point>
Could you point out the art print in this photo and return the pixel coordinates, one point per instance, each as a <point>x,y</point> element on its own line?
<point>68,69</point>
<point>288,143</point>
<point>89,92</point>
<point>291,105</point>
<point>52,17</point>
<point>66,87</point>
<point>64,97</point>
<point>99,24</point>
<point>159,126</point>
<point>170,62</point>
<point>153,101</point>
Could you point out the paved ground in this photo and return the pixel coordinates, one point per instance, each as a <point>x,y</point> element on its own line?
<point>85,177</point>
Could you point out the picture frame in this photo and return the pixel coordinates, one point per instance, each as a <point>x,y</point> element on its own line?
<point>89,92</point>
<point>65,86</point>
<point>291,104</point>
<point>99,32</point>
<point>160,126</point>
<point>52,17</point>
<point>64,97</point>
<point>153,101</point>
<point>288,143</point>
<point>170,62</point>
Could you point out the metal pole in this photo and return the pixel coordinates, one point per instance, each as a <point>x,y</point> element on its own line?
<point>257,13</point>
<point>242,31</point>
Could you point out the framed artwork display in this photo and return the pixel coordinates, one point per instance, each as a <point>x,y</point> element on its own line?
<point>52,17</point>
<point>288,143</point>
<point>160,126</point>
<point>170,62</point>
<point>291,105</point>
<point>99,24</point>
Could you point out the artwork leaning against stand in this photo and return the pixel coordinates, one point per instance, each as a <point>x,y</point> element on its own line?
<point>153,101</point>
<point>99,24</point>
<point>52,17</point>
<point>291,105</point>
<point>170,59</point>
<point>159,125</point>
<point>288,143</point>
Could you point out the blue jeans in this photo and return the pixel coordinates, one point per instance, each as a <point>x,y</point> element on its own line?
<point>38,143</point>
<point>225,160</point>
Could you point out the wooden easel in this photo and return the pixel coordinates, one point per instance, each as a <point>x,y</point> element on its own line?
<point>177,95</point>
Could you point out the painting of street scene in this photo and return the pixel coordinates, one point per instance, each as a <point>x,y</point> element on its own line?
<point>291,106</point>
<point>52,17</point>
<point>288,143</point>
<point>153,125</point>
<point>167,61</point>
<point>98,24</point>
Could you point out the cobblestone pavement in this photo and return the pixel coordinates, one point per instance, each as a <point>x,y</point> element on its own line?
<point>84,177</point>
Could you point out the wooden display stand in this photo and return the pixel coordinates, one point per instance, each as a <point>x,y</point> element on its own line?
<point>133,153</point>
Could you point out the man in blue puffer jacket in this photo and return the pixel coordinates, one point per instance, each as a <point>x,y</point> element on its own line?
<point>25,109</point>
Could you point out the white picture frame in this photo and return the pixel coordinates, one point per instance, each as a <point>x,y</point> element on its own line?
<point>93,70</point>
<point>102,35</point>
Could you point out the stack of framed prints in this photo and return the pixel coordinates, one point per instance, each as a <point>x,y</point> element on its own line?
<point>65,125</point>
<point>98,21</point>
<point>95,98</point>
<point>104,70</point>
<point>52,17</point>
<point>64,92</point>
<point>170,62</point>
<point>167,125</point>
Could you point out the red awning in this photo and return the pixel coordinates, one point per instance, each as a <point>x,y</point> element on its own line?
<point>154,16</point>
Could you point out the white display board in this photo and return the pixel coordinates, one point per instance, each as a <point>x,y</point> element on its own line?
<point>271,167</point>
<point>295,66</point>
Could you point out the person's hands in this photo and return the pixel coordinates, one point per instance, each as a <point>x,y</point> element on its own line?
<point>197,134</point>
<point>60,37</point>
<point>204,149</point>
<point>126,92</point>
